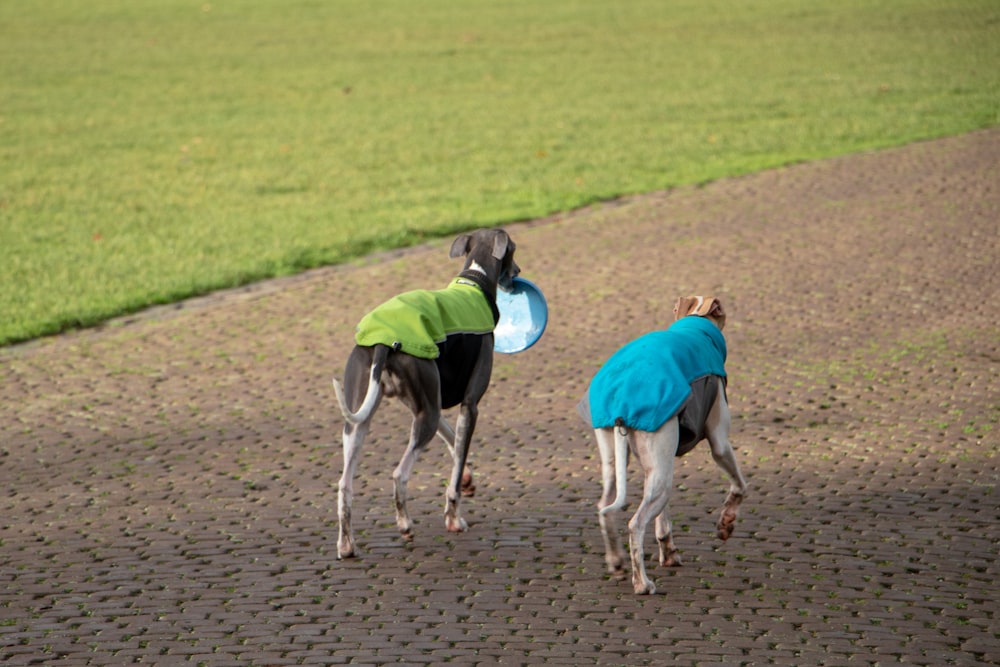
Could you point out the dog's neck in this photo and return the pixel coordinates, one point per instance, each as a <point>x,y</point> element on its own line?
<point>475,273</point>
<point>475,266</point>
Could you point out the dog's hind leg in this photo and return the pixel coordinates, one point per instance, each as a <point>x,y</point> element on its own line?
<point>421,432</point>
<point>655,452</point>
<point>354,437</point>
<point>614,555</point>
<point>419,388</point>
<point>717,429</point>
<point>357,376</point>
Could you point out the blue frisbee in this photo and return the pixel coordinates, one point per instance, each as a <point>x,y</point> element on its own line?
<point>523,315</point>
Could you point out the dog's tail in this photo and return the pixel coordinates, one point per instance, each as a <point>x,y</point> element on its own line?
<point>374,389</point>
<point>621,466</point>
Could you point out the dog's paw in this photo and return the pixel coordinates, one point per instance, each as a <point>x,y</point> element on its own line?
<point>615,560</point>
<point>456,524</point>
<point>672,559</point>
<point>727,524</point>
<point>727,518</point>
<point>405,526</point>
<point>669,555</point>
<point>646,587</point>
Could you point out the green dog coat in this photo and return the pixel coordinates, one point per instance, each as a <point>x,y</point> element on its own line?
<point>417,322</point>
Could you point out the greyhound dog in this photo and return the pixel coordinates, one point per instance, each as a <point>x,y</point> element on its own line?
<point>661,395</point>
<point>432,350</point>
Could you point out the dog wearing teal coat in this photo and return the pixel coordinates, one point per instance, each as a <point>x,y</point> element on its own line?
<point>658,397</point>
<point>431,349</point>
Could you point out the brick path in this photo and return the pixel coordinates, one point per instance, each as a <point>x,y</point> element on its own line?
<point>169,481</point>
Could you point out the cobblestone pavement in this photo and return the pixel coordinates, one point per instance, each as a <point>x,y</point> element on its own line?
<point>169,480</point>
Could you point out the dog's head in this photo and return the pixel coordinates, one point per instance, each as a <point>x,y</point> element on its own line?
<point>702,306</point>
<point>490,252</point>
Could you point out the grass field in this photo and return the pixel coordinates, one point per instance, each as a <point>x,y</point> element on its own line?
<point>153,151</point>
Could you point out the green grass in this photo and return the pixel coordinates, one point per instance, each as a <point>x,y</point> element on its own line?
<point>155,150</point>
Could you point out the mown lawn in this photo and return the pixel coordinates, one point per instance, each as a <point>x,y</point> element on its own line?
<point>153,151</point>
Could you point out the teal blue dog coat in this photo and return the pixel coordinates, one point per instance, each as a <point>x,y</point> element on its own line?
<point>650,379</point>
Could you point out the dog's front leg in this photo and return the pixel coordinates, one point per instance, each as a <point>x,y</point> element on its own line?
<point>464,428</point>
<point>614,555</point>
<point>447,433</point>
<point>717,430</point>
<point>421,432</point>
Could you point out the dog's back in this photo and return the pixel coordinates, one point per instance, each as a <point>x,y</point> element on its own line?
<point>418,322</point>
<point>646,382</point>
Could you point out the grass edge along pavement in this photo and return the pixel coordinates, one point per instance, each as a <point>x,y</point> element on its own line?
<point>205,147</point>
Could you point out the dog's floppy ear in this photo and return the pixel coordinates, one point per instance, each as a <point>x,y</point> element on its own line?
<point>713,308</point>
<point>501,243</point>
<point>460,247</point>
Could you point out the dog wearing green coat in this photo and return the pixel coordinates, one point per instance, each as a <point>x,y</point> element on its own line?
<point>432,350</point>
